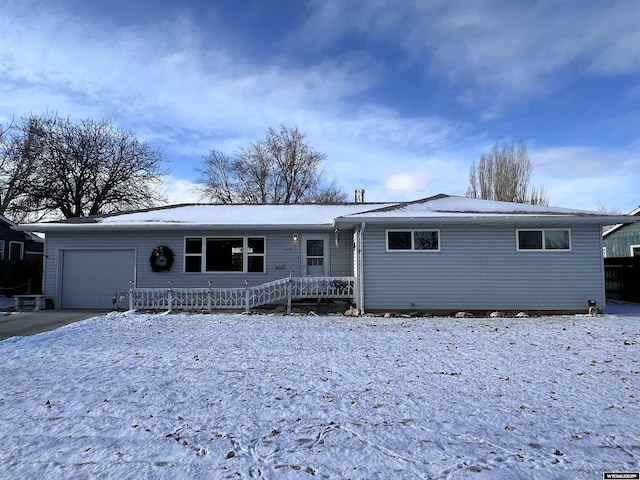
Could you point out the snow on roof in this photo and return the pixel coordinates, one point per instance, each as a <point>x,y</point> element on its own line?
<point>441,207</point>
<point>459,208</point>
<point>452,206</point>
<point>290,214</point>
<point>220,215</point>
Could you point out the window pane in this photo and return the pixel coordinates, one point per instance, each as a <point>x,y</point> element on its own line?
<point>425,240</point>
<point>530,240</point>
<point>635,251</point>
<point>315,248</point>
<point>193,263</point>
<point>399,240</point>
<point>193,245</point>
<point>15,250</point>
<point>255,264</point>
<point>556,239</point>
<point>224,255</point>
<point>256,245</point>
<point>315,261</point>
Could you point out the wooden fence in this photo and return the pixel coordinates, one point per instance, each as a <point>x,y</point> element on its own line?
<point>622,279</point>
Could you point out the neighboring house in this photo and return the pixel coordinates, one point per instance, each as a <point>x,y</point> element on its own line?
<point>438,253</point>
<point>622,240</point>
<point>621,249</point>
<point>20,260</point>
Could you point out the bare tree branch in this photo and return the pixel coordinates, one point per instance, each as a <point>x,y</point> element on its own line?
<point>282,168</point>
<point>85,168</point>
<point>504,174</point>
<point>17,170</point>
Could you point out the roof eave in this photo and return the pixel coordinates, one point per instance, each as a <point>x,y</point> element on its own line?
<point>488,219</point>
<point>44,228</point>
<point>485,219</point>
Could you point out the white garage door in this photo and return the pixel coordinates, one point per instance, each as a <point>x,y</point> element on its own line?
<point>91,277</point>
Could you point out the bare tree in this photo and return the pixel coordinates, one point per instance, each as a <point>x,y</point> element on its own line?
<point>7,178</point>
<point>217,181</point>
<point>17,171</point>
<point>282,168</point>
<point>504,174</point>
<point>601,207</point>
<point>86,168</point>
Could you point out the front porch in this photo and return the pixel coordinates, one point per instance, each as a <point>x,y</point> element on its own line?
<point>282,291</point>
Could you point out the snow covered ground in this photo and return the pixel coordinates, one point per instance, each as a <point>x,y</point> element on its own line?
<point>182,396</point>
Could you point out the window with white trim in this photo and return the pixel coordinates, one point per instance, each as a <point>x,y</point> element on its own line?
<point>544,239</point>
<point>16,250</point>
<point>410,240</point>
<point>224,254</point>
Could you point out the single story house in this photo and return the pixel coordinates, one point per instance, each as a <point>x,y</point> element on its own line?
<point>433,254</point>
<point>622,240</point>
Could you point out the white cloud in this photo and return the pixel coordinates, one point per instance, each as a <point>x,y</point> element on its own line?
<point>191,90</point>
<point>169,85</point>
<point>409,182</point>
<point>580,162</point>
<point>580,177</point>
<point>371,146</point>
<point>179,190</point>
<point>162,74</point>
<point>507,47</point>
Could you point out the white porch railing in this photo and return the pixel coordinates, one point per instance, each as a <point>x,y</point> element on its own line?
<point>208,299</point>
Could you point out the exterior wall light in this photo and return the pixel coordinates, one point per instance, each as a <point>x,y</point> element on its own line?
<point>295,237</point>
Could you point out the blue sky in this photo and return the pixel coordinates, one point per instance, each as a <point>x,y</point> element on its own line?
<point>402,96</point>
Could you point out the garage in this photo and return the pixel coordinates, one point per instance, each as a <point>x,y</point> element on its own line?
<point>91,277</point>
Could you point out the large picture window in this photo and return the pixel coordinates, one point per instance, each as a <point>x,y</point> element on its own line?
<point>224,254</point>
<point>423,240</point>
<point>544,239</point>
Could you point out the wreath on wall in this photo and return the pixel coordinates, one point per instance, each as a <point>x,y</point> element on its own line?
<point>161,259</point>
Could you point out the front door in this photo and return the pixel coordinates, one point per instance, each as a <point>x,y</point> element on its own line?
<point>315,255</point>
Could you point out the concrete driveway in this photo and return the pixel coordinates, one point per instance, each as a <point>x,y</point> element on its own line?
<point>14,324</point>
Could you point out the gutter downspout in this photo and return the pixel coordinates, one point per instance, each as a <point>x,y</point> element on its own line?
<point>361,268</point>
<point>44,265</point>
<point>603,274</point>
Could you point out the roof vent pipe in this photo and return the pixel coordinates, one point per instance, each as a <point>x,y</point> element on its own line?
<point>359,195</point>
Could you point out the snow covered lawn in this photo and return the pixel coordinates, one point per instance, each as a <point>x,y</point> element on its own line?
<point>181,396</point>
